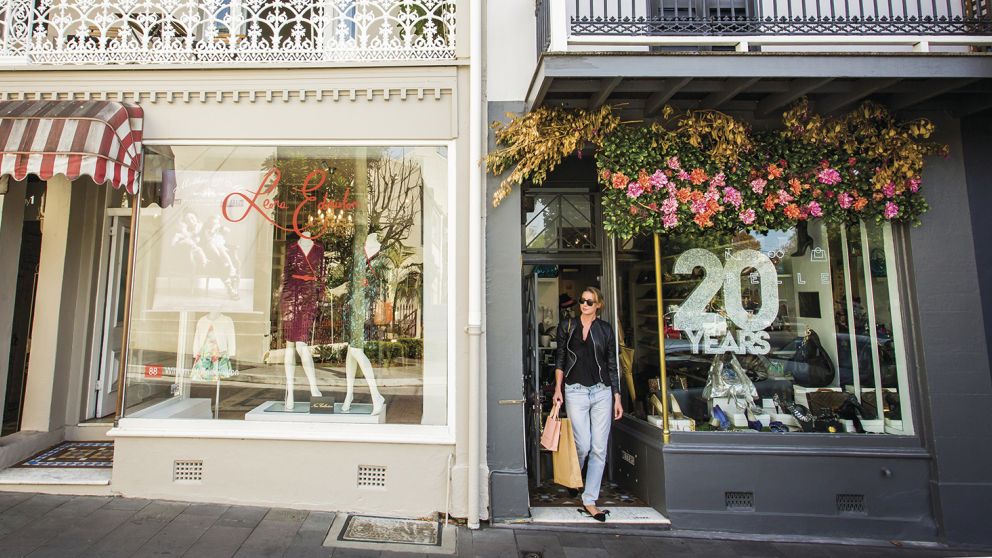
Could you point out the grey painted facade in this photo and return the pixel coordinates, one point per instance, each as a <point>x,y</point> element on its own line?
<point>932,486</point>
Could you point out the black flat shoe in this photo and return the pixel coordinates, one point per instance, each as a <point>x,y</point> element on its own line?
<point>601,516</point>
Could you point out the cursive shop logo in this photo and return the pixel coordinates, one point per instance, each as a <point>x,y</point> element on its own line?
<point>261,201</point>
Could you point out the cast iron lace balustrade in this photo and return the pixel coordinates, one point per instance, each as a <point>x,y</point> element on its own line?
<point>776,17</point>
<point>225,31</point>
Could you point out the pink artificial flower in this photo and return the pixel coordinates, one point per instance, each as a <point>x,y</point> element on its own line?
<point>670,220</point>
<point>712,194</point>
<point>889,190</point>
<point>815,209</point>
<point>634,190</point>
<point>784,197</point>
<point>733,196</point>
<point>658,179</point>
<point>718,181</point>
<point>683,175</point>
<point>828,176</point>
<point>674,164</point>
<point>747,216</point>
<point>845,200</point>
<point>891,210</point>
<point>699,206</point>
<point>914,184</point>
<point>670,205</point>
<point>758,185</point>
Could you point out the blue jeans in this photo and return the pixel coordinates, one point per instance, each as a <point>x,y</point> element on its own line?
<point>591,411</point>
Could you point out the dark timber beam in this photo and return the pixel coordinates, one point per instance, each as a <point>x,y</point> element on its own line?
<point>668,90</point>
<point>926,91</point>
<point>606,88</point>
<point>859,91</point>
<point>797,88</point>
<point>731,88</point>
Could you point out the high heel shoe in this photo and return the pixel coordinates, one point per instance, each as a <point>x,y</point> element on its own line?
<point>851,410</point>
<point>723,421</point>
<point>601,516</point>
<point>752,422</point>
<point>803,240</point>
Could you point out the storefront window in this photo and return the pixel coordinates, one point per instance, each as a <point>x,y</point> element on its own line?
<point>789,331</point>
<point>291,284</point>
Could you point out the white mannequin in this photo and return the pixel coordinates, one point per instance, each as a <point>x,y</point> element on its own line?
<point>306,357</point>
<point>356,357</point>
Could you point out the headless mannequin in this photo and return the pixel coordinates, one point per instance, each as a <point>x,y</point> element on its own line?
<point>306,357</point>
<point>356,355</point>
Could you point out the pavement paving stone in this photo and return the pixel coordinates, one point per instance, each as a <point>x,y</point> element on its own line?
<point>40,530</point>
<point>119,503</point>
<point>206,510</point>
<point>547,543</point>
<point>493,536</point>
<point>273,535</point>
<point>586,552</point>
<point>616,545</point>
<point>355,553</point>
<point>27,510</point>
<point>219,541</point>
<point>126,539</point>
<point>11,499</point>
<point>82,534</point>
<point>175,538</point>
<point>242,516</point>
<point>582,540</point>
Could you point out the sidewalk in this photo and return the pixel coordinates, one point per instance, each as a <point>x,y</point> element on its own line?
<point>39,525</point>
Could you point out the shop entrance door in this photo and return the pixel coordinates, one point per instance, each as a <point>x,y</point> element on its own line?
<point>103,385</point>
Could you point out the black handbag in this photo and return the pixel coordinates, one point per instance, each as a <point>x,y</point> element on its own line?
<point>811,366</point>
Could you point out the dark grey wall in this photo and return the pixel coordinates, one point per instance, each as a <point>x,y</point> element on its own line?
<point>504,349</point>
<point>957,387</point>
<point>976,135</point>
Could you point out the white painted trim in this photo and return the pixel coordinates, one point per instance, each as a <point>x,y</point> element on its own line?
<point>300,143</point>
<point>898,332</point>
<point>735,40</point>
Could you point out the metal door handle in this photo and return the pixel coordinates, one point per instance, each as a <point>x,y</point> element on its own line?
<point>511,401</point>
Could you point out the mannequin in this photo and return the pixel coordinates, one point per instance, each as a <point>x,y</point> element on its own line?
<point>301,292</point>
<point>213,347</point>
<point>356,348</point>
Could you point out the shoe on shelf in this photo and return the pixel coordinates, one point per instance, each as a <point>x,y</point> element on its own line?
<point>720,419</point>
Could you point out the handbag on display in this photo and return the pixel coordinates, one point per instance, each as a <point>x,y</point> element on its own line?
<point>567,471</point>
<point>728,379</point>
<point>552,429</point>
<point>811,366</point>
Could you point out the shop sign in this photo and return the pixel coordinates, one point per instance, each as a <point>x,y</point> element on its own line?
<point>154,370</point>
<point>263,201</point>
<point>707,331</point>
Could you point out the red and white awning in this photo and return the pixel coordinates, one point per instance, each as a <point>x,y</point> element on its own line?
<point>99,139</point>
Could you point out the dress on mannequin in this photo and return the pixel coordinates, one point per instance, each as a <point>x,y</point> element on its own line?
<point>213,347</point>
<point>356,353</point>
<point>302,287</point>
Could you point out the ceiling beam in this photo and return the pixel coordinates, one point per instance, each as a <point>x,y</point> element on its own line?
<point>668,90</point>
<point>730,89</point>
<point>606,87</point>
<point>860,90</point>
<point>797,88</point>
<point>927,90</point>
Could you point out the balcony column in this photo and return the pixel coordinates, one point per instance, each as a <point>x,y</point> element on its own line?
<point>558,25</point>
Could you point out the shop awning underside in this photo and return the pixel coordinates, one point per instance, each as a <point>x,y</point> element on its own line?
<point>99,139</point>
<point>761,85</point>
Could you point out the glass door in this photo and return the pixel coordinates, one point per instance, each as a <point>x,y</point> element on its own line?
<point>105,385</point>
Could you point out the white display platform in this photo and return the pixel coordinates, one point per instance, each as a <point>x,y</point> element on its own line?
<point>193,408</point>
<point>272,411</point>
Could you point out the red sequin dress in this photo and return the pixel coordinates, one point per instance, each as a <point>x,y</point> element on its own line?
<point>302,285</point>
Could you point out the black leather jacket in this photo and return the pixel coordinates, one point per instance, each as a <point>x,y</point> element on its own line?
<point>605,350</point>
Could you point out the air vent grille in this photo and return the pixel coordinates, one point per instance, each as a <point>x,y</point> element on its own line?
<point>187,470</point>
<point>851,503</point>
<point>739,501</point>
<point>371,476</point>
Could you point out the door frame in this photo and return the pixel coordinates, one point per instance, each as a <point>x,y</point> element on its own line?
<point>101,317</point>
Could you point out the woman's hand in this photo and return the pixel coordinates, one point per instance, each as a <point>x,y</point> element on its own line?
<point>617,407</point>
<point>557,398</point>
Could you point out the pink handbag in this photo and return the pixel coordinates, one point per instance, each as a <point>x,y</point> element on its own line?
<point>552,429</point>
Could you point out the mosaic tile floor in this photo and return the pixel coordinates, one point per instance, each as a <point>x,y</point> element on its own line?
<point>553,495</point>
<point>74,454</point>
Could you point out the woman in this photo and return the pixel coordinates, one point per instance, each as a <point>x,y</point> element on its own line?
<point>587,365</point>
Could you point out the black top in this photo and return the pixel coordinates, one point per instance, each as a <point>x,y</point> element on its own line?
<point>586,371</point>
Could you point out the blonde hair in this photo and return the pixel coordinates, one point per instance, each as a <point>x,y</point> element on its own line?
<point>596,293</point>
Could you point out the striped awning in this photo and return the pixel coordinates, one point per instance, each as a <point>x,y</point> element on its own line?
<point>99,139</point>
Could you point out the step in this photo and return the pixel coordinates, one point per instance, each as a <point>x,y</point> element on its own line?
<point>43,476</point>
<point>560,515</point>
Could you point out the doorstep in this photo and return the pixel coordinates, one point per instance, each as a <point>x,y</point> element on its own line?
<point>70,482</point>
<point>619,516</point>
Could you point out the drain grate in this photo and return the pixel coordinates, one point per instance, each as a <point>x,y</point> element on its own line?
<point>739,501</point>
<point>851,504</point>
<point>372,476</point>
<point>188,470</point>
<point>530,554</point>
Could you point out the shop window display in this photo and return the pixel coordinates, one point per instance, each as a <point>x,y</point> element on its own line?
<point>787,331</point>
<point>290,284</point>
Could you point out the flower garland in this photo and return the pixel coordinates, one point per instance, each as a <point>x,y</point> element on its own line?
<point>705,170</point>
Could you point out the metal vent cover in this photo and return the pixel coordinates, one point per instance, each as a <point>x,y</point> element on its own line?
<point>187,470</point>
<point>372,476</point>
<point>739,501</point>
<point>851,504</point>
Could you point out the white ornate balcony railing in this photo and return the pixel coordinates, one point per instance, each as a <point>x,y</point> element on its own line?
<point>225,31</point>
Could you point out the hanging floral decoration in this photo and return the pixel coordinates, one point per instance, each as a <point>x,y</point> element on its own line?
<point>706,170</point>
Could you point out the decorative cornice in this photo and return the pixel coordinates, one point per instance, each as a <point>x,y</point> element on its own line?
<point>369,94</point>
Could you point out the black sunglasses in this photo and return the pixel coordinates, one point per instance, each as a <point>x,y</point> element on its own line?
<point>587,302</point>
